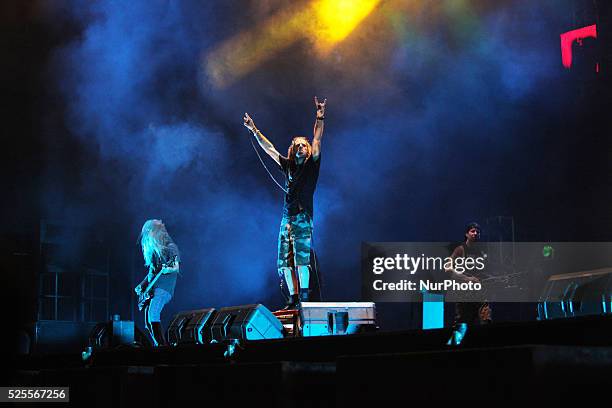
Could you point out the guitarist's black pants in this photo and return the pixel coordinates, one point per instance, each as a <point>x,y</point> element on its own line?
<point>153,315</point>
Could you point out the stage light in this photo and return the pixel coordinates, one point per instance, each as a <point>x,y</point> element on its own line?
<point>324,22</point>
<point>336,19</point>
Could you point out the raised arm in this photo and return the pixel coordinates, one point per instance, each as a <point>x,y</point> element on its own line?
<point>318,128</point>
<point>265,144</point>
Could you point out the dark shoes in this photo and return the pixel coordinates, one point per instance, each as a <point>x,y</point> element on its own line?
<point>295,300</point>
<point>157,332</point>
<point>294,303</point>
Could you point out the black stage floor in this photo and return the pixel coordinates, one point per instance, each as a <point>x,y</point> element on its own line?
<point>549,362</point>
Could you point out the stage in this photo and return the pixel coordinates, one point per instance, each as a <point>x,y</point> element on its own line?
<point>550,362</point>
<point>179,157</point>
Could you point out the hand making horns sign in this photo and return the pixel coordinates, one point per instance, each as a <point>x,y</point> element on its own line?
<point>320,107</point>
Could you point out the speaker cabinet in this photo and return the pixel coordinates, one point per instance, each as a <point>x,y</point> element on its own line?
<point>191,327</point>
<point>577,294</point>
<point>246,322</point>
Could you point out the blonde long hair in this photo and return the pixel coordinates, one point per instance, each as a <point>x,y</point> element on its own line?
<point>154,239</point>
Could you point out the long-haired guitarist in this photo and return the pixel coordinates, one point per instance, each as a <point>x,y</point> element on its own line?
<point>161,256</point>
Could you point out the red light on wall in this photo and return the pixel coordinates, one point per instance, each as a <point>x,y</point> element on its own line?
<point>567,41</point>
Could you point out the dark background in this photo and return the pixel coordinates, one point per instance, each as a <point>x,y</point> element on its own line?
<point>438,114</point>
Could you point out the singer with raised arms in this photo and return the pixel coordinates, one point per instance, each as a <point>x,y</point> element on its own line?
<point>301,170</point>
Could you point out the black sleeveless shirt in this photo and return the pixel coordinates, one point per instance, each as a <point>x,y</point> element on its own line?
<point>300,183</point>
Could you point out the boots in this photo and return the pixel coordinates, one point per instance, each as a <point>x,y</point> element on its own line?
<point>157,332</point>
<point>294,302</point>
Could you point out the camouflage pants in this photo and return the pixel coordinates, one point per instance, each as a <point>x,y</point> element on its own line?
<point>294,241</point>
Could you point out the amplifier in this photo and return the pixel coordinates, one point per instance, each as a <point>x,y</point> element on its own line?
<point>337,318</point>
<point>577,294</point>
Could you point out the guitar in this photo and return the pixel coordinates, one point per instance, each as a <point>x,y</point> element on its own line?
<point>146,295</point>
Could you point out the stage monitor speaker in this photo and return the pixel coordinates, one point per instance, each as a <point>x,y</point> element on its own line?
<point>191,327</point>
<point>577,294</point>
<point>337,318</point>
<point>246,322</point>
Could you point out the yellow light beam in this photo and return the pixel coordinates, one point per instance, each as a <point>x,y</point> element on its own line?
<point>336,19</point>
<point>325,22</point>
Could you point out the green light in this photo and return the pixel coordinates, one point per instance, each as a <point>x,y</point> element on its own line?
<point>547,251</point>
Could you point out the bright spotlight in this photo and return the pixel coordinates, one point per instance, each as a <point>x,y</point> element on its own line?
<point>336,19</point>
<point>326,22</point>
